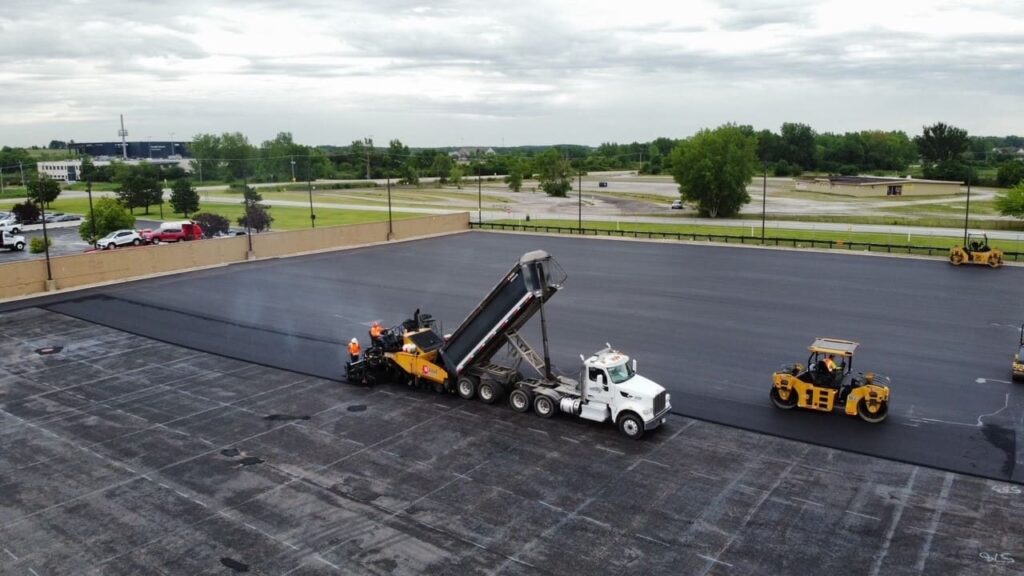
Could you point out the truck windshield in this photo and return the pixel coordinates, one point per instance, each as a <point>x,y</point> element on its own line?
<point>620,373</point>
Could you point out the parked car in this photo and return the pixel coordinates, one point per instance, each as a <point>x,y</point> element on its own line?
<point>118,239</point>
<point>68,218</point>
<point>173,232</point>
<point>52,217</point>
<point>602,184</point>
<point>10,225</point>
<point>677,204</point>
<point>12,242</point>
<point>231,232</point>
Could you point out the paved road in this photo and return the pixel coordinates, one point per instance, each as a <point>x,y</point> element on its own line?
<point>710,323</point>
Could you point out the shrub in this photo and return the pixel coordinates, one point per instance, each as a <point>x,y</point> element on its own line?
<point>37,245</point>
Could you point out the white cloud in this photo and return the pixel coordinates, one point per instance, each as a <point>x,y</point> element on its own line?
<point>582,71</point>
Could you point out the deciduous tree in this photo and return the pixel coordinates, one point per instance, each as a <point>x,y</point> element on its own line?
<point>713,169</point>
<point>109,216</point>
<point>553,173</point>
<point>184,198</point>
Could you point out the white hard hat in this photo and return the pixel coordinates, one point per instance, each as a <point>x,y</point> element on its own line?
<point>354,341</point>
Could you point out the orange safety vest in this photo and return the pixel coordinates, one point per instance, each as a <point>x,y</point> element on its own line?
<point>375,330</point>
<point>353,348</point>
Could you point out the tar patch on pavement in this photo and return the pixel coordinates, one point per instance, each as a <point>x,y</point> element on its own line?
<point>234,564</point>
<point>356,408</point>
<point>230,452</point>
<point>250,461</point>
<point>49,350</point>
<point>285,417</point>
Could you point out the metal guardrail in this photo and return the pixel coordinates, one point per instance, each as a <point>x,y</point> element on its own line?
<point>724,238</point>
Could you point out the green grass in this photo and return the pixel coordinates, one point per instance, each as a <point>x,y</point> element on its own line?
<point>754,231</point>
<point>285,217</point>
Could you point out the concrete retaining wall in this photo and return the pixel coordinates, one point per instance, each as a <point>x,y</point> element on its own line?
<point>25,278</point>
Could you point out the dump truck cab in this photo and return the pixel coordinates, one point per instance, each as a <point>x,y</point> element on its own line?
<point>612,389</point>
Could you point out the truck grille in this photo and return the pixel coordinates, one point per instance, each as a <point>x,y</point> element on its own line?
<point>659,402</point>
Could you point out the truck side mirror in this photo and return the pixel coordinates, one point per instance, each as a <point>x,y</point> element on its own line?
<point>600,380</point>
<point>634,365</point>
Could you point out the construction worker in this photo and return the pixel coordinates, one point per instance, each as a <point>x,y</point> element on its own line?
<point>830,364</point>
<point>353,350</point>
<point>375,331</point>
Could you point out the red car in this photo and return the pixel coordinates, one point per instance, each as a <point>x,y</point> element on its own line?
<point>173,232</point>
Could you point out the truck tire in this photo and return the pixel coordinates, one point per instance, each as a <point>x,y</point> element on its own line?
<point>489,392</point>
<point>19,246</point>
<point>520,400</point>
<point>155,240</point>
<point>544,406</point>
<point>136,242</point>
<point>631,425</point>
<point>466,387</point>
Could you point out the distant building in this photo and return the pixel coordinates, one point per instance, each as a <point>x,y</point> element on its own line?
<point>136,150</point>
<point>878,186</point>
<point>70,171</point>
<point>463,155</point>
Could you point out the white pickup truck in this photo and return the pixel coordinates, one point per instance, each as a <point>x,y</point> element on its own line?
<point>11,242</point>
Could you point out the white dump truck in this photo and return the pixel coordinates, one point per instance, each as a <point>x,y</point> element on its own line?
<point>607,388</point>
<point>11,242</point>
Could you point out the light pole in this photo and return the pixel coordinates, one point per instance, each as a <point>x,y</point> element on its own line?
<point>172,144</point>
<point>92,215</point>
<point>479,199</point>
<point>967,212</point>
<point>369,144</point>
<point>391,230</point>
<point>22,168</point>
<point>579,187</point>
<point>293,172</point>
<point>764,199</point>
<point>46,245</point>
<point>309,186</point>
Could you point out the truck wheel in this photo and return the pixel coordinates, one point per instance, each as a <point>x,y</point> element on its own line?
<point>488,392</point>
<point>873,412</point>
<point>631,425</point>
<point>19,246</point>
<point>786,403</point>
<point>136,242</point>
<point>543,406</point>
<point>155,240</point>
<point>466,387</point>
<point>994,262</point>
<point>519,399</point>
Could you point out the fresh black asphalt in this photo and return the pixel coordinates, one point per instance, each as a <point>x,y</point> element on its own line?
<point>710,323</point>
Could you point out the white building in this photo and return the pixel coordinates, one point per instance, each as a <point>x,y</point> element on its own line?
<point>70,170</point>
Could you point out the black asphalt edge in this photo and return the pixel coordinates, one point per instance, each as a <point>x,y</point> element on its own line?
<point>710,244</point>
<point>848,450</point>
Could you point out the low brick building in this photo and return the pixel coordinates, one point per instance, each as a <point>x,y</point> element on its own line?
<point>878,186</point>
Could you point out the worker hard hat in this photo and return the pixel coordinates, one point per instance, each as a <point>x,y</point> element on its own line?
<point>355,341</point>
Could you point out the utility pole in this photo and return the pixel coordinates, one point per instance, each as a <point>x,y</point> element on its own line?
<point>369,144</point>
<point>92,215</point>
<point>764,199</point>
<point>293,170</point>
<point>309,186</point>
<point>22,168</point>
<point>479,199</point>
<point>123,134</point>
<point>391,230</point>
<point>579,186</point>
<point>967,212</point>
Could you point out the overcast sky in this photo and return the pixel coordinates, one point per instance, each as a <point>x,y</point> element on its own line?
<point>455,73</point>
